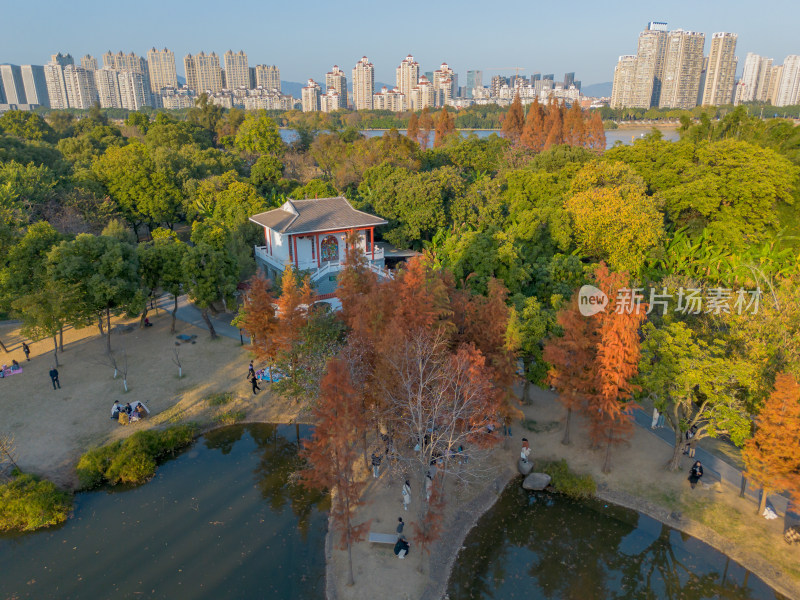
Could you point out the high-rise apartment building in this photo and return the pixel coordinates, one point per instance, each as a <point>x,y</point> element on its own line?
<point>11,83</point>
<point>474,80</point>
<point>35,84</point>
<point>789,88</point>
<point>754,84</point>
<point>56,88</point>
<point>423,95</point>
<point>203,73</point>
<point>407,75</point>
<point>569,79</point>
<point>62,59</point>
<point>79,83</point>
<point>237,71</point>
<point>335,80</point>
<point>268,77</point>
<point>133,90</point>
<point>161,68</point>
<point>683,63</point>
<point>132,63</point>
<point>309,96</point>
<point>393,100</point>
<point>445,84</point>
<point>330,101</point>
<point>639,76</point>
<point>363,84</point>
<point>721,70</point>
<point>775,76</point>
<point>622,90</point>
<point>89,62</point>
<point>108,88</point>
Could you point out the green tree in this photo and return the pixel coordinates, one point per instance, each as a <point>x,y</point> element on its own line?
<point>210,275</point>
<point>258,135</point>
<point>529,324</point>
<point>26,125</point>
<point>102,274</point>
<point>694,384</point>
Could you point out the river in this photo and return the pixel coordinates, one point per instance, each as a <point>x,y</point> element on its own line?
<point>626,136</point>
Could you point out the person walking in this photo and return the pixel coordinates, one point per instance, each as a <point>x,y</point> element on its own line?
<point>54,378</point>
<point>428,486</point>
<point>251,371</point>
<point>400,525</point>
<point>656,415</point>
<point>254,381</point>
<point>406,494</point>
<point>696,473</point>
<point>376,464</point>
<point>26,349</point>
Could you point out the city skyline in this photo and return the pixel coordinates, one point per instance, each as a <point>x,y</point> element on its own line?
<point>466,44</point>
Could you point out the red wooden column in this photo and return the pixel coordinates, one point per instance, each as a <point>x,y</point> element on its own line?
<point>316,241</point>
<point>372,241</point>
<point>296,265</point>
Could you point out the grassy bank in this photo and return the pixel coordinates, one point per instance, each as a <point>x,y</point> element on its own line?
<point>28,503</point>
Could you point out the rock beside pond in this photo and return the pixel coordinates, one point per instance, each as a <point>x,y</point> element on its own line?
<point>536,481</point>
<point>524,467</point>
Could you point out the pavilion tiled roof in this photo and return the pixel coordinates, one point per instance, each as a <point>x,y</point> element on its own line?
<point>318,214</point>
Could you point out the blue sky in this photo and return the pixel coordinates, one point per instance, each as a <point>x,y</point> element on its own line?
<point>306,38</point>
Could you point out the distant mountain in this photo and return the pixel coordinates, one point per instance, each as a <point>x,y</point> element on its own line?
<point>181,80</point>
<point>597,90</point>
<point>292,88</point>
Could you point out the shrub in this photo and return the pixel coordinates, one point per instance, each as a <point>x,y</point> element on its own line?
<point>229,417</point>
<point>134,459</point>
<point>28,503</point>
<point>219,399</point>
<point>566,482</point>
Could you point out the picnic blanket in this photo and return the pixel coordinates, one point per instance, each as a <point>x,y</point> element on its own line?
<point>8,371</point>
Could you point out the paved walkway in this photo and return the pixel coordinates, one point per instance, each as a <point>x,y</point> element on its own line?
<point>714,462</point>
<point>188,313</point>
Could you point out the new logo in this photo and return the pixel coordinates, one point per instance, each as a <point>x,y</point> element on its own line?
<point>591,300</point>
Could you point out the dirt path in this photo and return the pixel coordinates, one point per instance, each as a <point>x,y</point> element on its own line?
<point>52,428</point>
<point>712,513</point>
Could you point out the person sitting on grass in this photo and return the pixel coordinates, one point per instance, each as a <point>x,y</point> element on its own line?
<point>15,365</point>
<point>116,408</point>
<point>139,411</point>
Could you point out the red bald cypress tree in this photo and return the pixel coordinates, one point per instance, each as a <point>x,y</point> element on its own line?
<point>333,453</point>
<point>596,133</point>
<point>445,126</point>
<point>574,126</point>
<point>554,125</point>
<point>533,134</point>
<point>258,318</point>
<point>772,455</point>
<point>514,120</point>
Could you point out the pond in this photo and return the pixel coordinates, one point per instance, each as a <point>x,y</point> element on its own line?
<point>222,520</point>
<point>537,545</point>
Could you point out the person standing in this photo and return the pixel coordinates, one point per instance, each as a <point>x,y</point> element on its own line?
<point>251,372</point>
<point>526,450</point>
<point>428,486</point>
<point>26,349</point>
<point>656,416</point>
<point>54,378</point>
<point>376,464</point>
<point>406,494</point>
<point>696,473</point>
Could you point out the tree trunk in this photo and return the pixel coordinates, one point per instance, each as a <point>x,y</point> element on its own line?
<point>762,502</point>
<point>61,339</point>
<point>144,316</point>
<point>675,462</point>
<point>108,327</point>
<point>100,324</point>
<point>607,461</point>
<point>565,441</point>
<point>210,325</point>
<point>350,579</point>
<point>55,350</point>
<point>3,346</point>
<point>174,312</point>
<point>743,487</point>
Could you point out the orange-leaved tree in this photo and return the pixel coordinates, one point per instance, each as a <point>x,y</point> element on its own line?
<point>611,406</point>
<point>572,359</point>
<point>534,134</point>
<point>333,454</point>
<point>574,126</point>
<point>514,120</point>
<point>425,128</point>
<point>596,133</point>
<point>554,124</point>
<point>413,127</point>
<point>258,318</point>
<point>429,528</point>
<point>772,455</point>
<point>293,309</point>
<point>445,126</point>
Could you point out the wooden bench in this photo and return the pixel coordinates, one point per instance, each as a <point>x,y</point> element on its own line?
<point>382,538</point>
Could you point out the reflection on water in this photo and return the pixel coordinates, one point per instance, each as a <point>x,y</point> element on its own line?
<point>222,520</point>
<point>536,545</point>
